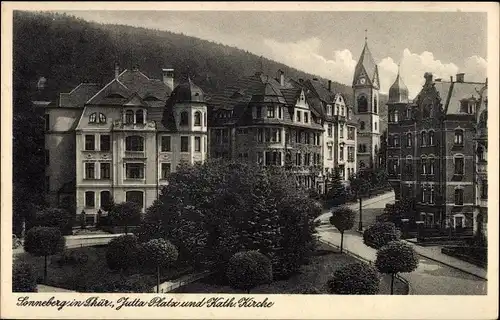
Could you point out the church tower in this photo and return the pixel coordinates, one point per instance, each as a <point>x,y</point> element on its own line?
<point>366,87</point>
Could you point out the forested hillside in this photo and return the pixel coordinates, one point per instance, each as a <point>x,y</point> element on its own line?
<point>67,50</point>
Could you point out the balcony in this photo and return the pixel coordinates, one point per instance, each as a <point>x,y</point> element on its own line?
<point>134,154</point>
<point>147,126</point>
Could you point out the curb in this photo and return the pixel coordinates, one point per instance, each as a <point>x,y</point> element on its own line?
<point>447,264</point>
<point>358,257</point>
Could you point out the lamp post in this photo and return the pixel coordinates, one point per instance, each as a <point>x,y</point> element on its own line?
<point>420,225</point>
<point>405,227</point>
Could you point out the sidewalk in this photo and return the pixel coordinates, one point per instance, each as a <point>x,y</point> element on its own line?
<point>44,288</point>
<point>434,253</point>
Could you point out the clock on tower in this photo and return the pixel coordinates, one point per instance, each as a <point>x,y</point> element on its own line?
<point>362,80</point>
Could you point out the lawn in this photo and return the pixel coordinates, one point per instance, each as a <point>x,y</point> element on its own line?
<point>315,274</point>
<point>90,276</point>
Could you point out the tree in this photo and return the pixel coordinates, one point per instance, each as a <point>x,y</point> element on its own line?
<point>159,253</point>
<point>337,193</point>
<point>380,234</point>
<point>355,278</point>
<point>396,257</point>
<point>360,186</point>
<point>401,209</point>
<point>55,217</point>
<point>122,252</point>
<point>125,214</point>
<point>83,220</point>
<point>23,277</point>
<point>248,269</point>
<point>44,241</point>
<point>342,219</point>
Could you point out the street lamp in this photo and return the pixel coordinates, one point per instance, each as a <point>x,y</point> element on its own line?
<point>420,229</point>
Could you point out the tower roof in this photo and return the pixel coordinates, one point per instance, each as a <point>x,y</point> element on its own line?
<point>398,91</point>
<point>187,92</point>
<point>366,64</point>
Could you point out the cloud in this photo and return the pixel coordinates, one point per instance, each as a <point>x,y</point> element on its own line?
<point>304,55</point>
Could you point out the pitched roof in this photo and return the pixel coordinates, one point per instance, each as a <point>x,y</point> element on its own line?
<point>78,96</point>
<point>462,90</point>
<point>367,64</point>
<point>321,91</point>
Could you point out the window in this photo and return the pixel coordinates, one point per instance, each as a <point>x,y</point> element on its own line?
<point>394,116</point>
<point>129,117</point>
<point>197,144</point>
<point>341,130</point>
<point>409,139</point>
<point>135,196</point>
<point>484,189</point>
<point>102,118</point>
<point>89,142</point>
<point>166,144</point>
<point>330,129</point>
<point>431,138</point>
<point>46,117</point>
<point>466,106</point>
<point>408,113</point>
<point>375,104</point>
<point>197,118</point>
<point>432,194</point>
<point>105,199</point>
<point>329,110</point>
<point>270,112</point>
<point>89,170</point>
<point>396,140</point>
<point>260,157</point>
<point>89,199</point>
<point>306,117</point>
<point>423,194</point>
<point>459,197</point>
<point>184,144</point>
<point>134,170</point>
<point>350,133</point>
<point>105,170</point>
<point>375,125</point>
<point>165,170</point>
<point>330,152</point>
<point>481,154</point>
<point>459,137</point>
<point>298,116</point>
<point>93,118</point>
<point>362,125</point>
<point>409,166</point>
<point>184,118</point>
<point>350,154</point>
<point>423,165</point>
<point>342,111</point>
<point>341,154</point>
<point>134,143</point>
<point>423,138</point>
<point>259,112</point>
<point>105,142</point>
<point>459,165</point>
<point>280,112</point>
<point>432,165</point>
<point>362,104</point>
<point>298,159</point>
<point>260,135</point>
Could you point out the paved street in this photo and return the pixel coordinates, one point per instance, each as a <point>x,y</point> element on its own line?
<point>430,278</point>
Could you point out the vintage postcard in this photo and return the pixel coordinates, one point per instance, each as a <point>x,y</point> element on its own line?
<point>249,160</point>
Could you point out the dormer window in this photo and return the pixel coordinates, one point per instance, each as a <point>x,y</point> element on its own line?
<point>129,117</point>
<point>102,118</point>
<point>92,118</point>
<point>197,118</point>
<point>270,112</point>
<point>467,106</point>
<point>459,137</point>
<point>306,117</point>
<point>139,117</point>
<point>329,110</point>
<point>299,116</point>
<point>408,113</point>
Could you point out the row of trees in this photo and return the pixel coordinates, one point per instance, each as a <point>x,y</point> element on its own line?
<point>393,256</point>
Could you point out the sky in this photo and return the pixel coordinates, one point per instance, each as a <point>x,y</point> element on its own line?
<point>328,44</point>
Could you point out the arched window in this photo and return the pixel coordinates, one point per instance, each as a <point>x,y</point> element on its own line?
<point>432,165</point>
<point>105,199</point>
<point>481,154</point>
<point>396,140</point>
<point>409,165</point>
<point>423,138</point>
<point>134,143</point>
<point>409,139</point>
<point>408,113</point>
<point>197,118</point>
<point>102,118</point>
<point>89,199</point>
<point>92,118</point>
<point>362,125</point>
<point>135,196</point>
<point>423,164</point>
<point>139,117</point>
<point>375,104</point>
<point>362,104</point>
<point>431,138</point>
<point>129,117</point>
<point>459,137</point>
<point>184,118</point>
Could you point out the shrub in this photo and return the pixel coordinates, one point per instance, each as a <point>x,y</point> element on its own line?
<point>395,257</point>
<point>71,258</point>
<point>343,219</point>
<point>23,278</point>
<point>159,253</point>
<point>44,241</point>
<point>355,278</point>
<point>122,252</point>
<point>307,289</point>
<point>136,283</point>
<point>248,269</point>
<point>149,230</point>
<point>125,214</point>
<point>54,217</point>
<point>380,234</point>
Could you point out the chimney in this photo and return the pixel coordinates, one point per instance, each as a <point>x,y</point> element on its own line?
<point>460,77</point>
<point>330,85</point>
<point>486,83</point>
<point>117,70</point>
<point>451,78</point>
<point>282,77</point>
<point>168,77</point>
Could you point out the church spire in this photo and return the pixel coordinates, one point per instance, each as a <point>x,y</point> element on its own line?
<point>366,67</point>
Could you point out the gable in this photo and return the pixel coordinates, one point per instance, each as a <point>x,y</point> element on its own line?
<point>135,101</point>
